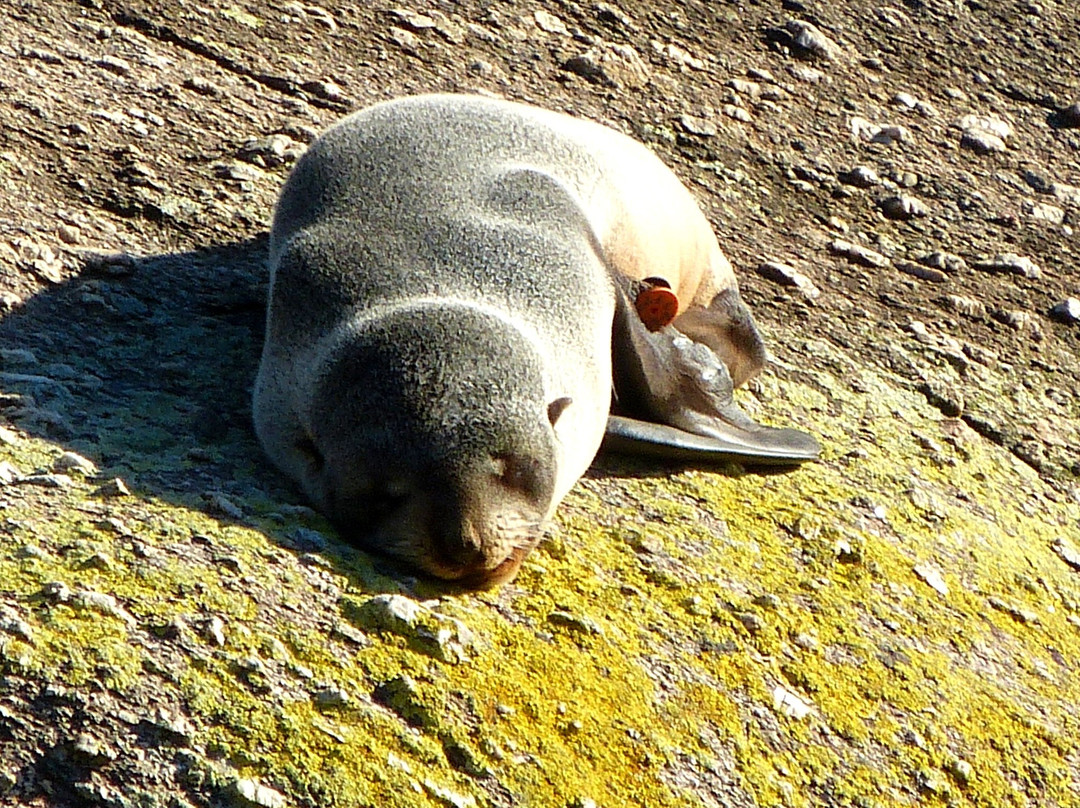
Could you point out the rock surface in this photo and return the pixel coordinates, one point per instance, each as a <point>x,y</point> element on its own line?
<point>898,624</point>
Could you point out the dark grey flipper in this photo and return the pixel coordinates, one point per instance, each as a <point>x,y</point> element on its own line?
<point>767,447</point>
<point>727,326</point>
<point>674,398</point>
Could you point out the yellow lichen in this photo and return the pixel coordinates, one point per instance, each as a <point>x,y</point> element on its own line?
<point>647,637</point>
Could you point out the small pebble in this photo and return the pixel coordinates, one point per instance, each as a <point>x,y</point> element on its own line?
<point>981,355</point>
<point>1024,616</point>
<point>1010,263</point>
<point>886,135</point>
<point>932,577</point>
<point>548,22</point>
<point>738,113</point>
<point>921,272</point>
<point>1039,181</point>
<point>751,622</point>
<point>961,771</point>
<point>250,791</point>
<point>858,254</point>
<point>905,100</point>
<point>860,177</point>
<point>1070,116</point>
<point>903,207</point>
<point>406,40</point>
<point>332,697</point>
<point>582,625</point>
<point>945,397</point>
<point>273,150</point>
<point>101,602</point>
<point>237,172</point>
<point>47,480</point>
<point>1020,320</point>
<point>610,65</point>
<point>946,262</point>
<point>790,704</point>
<point>698,126</point>
<point>481,67</point>
<point>678,56</point>
<point>981,142</point>
<point>114,64</point>
<point>222,505</point>
<point>69,234</point>
<point>214,630</point>
<point>789,276</point>
<point>809,38</point>
<point>99,561</point>
<point>612,15</point>
<point>805,73</point>
<point>1067,553</point>
<point>985,123</point>
<point>202,86</point>
<point>109,264</point>
<point>968,306</point>
<point>1043,212</point>
<point>413,20</point>
<point>113,488</point>
<point>8,473</point>
<point>69,461</point>
<point>744,87</point>
<point>1067,311</point>
<point>767,601</point>
<point>926,109</point>
<point>1069,194</point>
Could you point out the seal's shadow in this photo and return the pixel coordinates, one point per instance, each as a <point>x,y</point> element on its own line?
<point>145,367</point>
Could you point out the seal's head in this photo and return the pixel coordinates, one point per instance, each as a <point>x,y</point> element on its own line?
<point>431,439</point>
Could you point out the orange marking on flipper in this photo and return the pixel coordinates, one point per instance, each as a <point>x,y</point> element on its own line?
<point>657,307</point>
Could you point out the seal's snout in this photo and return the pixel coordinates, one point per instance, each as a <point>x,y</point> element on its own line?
<point>460,549</point>
<point>478,560</point>
<point>479,536</point>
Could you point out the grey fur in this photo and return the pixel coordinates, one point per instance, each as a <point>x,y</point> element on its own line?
<point>441,283</point>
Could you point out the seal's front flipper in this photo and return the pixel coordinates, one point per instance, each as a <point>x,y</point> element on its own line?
<point>678,396</point>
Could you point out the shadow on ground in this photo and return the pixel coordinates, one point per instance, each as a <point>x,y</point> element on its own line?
<point>145,366</point>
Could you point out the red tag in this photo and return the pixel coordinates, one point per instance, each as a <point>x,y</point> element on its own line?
<point>656,307</point>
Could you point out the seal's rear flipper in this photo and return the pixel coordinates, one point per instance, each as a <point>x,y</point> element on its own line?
<point>765,446</point>
<point>678,396</point>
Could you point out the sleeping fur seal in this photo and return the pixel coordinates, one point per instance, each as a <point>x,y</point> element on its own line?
<point>451,317</point>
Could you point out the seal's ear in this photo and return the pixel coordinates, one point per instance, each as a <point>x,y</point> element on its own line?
<point>682,386</point>
<point>557,407</point>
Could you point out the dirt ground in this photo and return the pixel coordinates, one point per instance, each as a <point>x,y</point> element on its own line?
<point>897,184</point>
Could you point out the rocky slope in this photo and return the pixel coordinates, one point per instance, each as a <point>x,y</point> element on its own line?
<point>898,184</point>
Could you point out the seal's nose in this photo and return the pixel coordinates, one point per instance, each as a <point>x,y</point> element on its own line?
<point>458,546</point>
